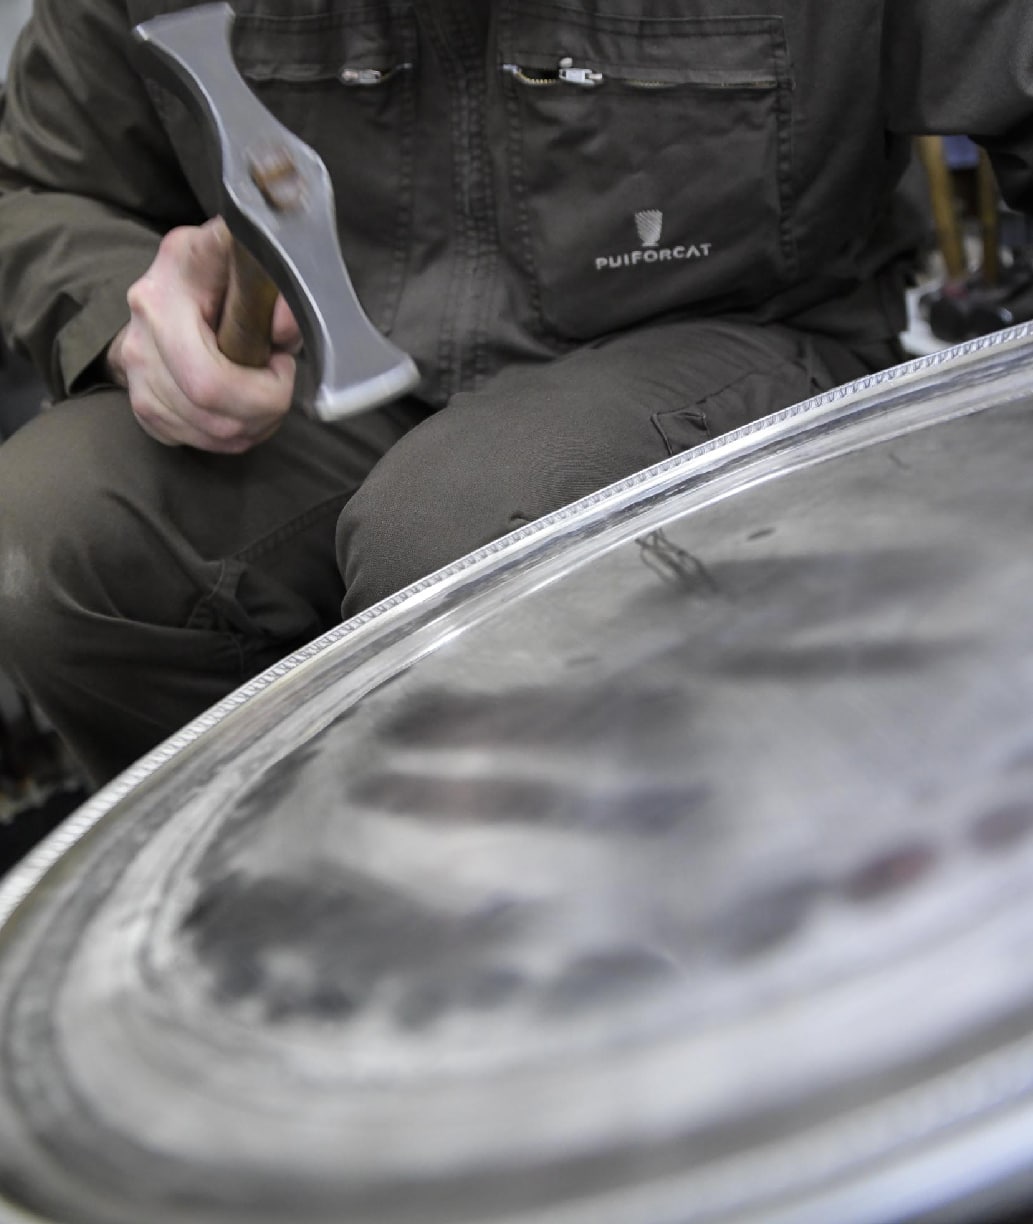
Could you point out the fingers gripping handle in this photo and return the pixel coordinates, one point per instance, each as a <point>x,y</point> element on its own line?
<point>277,201</point>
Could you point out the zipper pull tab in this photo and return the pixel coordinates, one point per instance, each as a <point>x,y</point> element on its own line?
<point>361,76</point>
<point>578,76</point>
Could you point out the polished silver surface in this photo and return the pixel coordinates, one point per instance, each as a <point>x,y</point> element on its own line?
<point>668,861</point>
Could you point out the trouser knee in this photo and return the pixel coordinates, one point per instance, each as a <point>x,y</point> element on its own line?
<point>30,529</point>
<point>389,536</point>
<point>71,551</point>
<point>537,437</point>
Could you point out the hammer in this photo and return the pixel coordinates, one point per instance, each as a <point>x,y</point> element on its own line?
<point>275,195</point>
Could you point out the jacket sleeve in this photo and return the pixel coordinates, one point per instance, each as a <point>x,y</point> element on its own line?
<point>88,184</point>
<point>965,67</point>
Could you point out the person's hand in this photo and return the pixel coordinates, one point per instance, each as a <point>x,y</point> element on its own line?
<point>183,391</point>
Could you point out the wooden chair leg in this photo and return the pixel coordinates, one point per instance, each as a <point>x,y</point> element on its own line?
<point>945,217</point>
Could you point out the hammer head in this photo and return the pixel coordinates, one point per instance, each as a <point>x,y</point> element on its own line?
<point>276,198</point>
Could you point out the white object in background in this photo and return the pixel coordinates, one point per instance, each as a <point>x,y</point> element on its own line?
<point>13,15</point>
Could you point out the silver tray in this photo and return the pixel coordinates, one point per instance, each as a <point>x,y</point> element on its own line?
<point>666,862</point>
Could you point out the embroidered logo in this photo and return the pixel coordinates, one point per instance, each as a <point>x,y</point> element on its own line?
<point>649,223</point>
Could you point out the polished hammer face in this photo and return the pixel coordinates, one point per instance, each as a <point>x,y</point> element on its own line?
<point>667,861</point>
<point>275,195</point>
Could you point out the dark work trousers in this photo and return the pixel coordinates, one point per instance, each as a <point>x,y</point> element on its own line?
<point>141,583</point>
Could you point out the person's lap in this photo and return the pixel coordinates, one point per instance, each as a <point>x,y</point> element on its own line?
<point>540,436</point>
<point>139,583</point>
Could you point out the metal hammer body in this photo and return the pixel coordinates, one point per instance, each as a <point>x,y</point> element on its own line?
<point>276,198</point>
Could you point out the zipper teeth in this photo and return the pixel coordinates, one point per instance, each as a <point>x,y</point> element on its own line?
<point>525,76</point>
<point>547,77</point>
<point>759,83</point>
<point>369,77</point>
<point>345,74</point>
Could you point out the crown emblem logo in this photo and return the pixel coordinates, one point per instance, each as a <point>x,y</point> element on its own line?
<point>650,224</point>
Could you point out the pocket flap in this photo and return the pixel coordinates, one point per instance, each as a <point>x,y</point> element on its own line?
<point>719,51</point>
<point>319,48</point>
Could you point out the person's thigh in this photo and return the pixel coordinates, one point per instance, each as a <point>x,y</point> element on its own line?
<point>140,583</point>
<point>538,437</point>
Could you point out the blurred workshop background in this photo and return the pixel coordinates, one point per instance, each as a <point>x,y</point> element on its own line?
<point>972,276</point>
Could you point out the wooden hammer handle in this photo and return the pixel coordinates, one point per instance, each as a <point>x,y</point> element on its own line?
<point>245,329</point>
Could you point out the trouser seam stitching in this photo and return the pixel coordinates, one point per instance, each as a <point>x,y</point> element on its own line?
<point>277,536</point>
<point>207,604</point>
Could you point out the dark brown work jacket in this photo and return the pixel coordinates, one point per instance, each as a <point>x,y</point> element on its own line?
<point>507,193</point>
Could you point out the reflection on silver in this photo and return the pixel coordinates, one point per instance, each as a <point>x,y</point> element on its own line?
<point>667,861</point>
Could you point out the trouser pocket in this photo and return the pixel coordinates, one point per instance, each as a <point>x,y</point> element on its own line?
<point>753,372</point>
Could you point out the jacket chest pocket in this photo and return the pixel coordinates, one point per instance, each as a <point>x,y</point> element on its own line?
<point>650,162</point>
<point>342,78</point>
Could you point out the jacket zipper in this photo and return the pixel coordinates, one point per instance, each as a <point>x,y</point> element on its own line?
<point>567,73</point>
<point>370,76</point>
<point>463,355</point>
<point>347,75</point>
